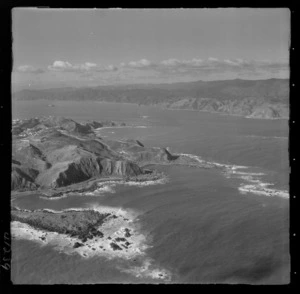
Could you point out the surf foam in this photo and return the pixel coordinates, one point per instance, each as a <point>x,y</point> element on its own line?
<point>112,228</point>
<point>107,187</point>
<point>253,182</point>
<point>148,270</point>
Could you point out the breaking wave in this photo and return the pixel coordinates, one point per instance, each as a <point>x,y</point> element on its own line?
<point>252,182</point>
<point>107,187</point>
<point>114,229</point>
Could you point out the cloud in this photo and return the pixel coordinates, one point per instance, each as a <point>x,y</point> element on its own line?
<point>212,59</point>
<point>29,69</point>
<point>89,64</point>
<point>173,68</point>
<point>181,63</point>
<point>170,70</point>
<point>66,66</point>
<point>109,68</point>
<point>197,63</point>
<point>170,62</point>
<point>61,64</point>
<point>143,63</point>
<point>212,65</point>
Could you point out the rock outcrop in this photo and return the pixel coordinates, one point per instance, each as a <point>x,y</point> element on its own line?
<point>21,179</point>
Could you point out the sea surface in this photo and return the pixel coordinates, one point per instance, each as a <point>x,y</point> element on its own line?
<point>201,225</point>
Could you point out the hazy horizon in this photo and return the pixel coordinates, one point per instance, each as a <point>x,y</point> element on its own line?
<point>15,87</point>
<point>55,48</point>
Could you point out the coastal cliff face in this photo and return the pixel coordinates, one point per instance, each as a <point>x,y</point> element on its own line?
<point>266,99</point>
<point>55,152</point>
<point>135,151</point>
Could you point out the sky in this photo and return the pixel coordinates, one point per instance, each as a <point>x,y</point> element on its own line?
<point>93,47</point>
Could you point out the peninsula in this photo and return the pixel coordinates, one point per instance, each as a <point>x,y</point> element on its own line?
<point>56,155</point>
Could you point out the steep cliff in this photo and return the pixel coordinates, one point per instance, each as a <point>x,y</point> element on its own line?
<point>22,178</point>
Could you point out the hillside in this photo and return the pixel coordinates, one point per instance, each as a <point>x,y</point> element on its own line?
<point>253,98</point>
<point>53,152</point>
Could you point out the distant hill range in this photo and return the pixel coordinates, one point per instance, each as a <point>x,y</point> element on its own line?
<point>251,98</point>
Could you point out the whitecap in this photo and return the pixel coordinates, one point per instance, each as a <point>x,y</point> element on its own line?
<point>54,197</point>
<point>252,180</point>
<point>148,270</point>
<point>146,183</point>
<point>261,189</point>
<point>101,190</point>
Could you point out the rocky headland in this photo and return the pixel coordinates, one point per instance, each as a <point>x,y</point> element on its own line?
<point>55,155</point>
<point>82,230</point>
<point>58,157</point>
<point>80,224</point>
<point>92,232</point>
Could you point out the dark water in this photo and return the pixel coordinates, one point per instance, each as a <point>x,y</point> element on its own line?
<point>202,229</point>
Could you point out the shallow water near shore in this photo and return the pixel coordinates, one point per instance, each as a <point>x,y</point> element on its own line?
<point>200,227</point>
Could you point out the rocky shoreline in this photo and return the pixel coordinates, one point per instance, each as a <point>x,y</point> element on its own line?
<point>94,232</point>
<point>81,226</point>
<point>50,154</point>
<point>56,157</point>
<point>95,186</point>
<point>98,185</point>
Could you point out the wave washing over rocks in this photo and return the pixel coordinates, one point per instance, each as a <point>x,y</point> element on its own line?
<point>122,127</point>
<point>255,185</point>
<point>107,187</point>
<point>252,181</point>
<point>148,270</point>
<point>120,237</point>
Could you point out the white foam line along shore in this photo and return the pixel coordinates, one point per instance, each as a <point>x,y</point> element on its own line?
<point>112,228</point>
<point>255,185</point>
<point>123,127</point>
<point>147,270</point>
<point>252,180</point>
<point>108,187</point>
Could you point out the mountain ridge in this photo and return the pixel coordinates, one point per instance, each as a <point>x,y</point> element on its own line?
<point>251,98</point>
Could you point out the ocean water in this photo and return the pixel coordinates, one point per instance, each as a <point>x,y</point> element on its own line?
<point>200,225</point>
